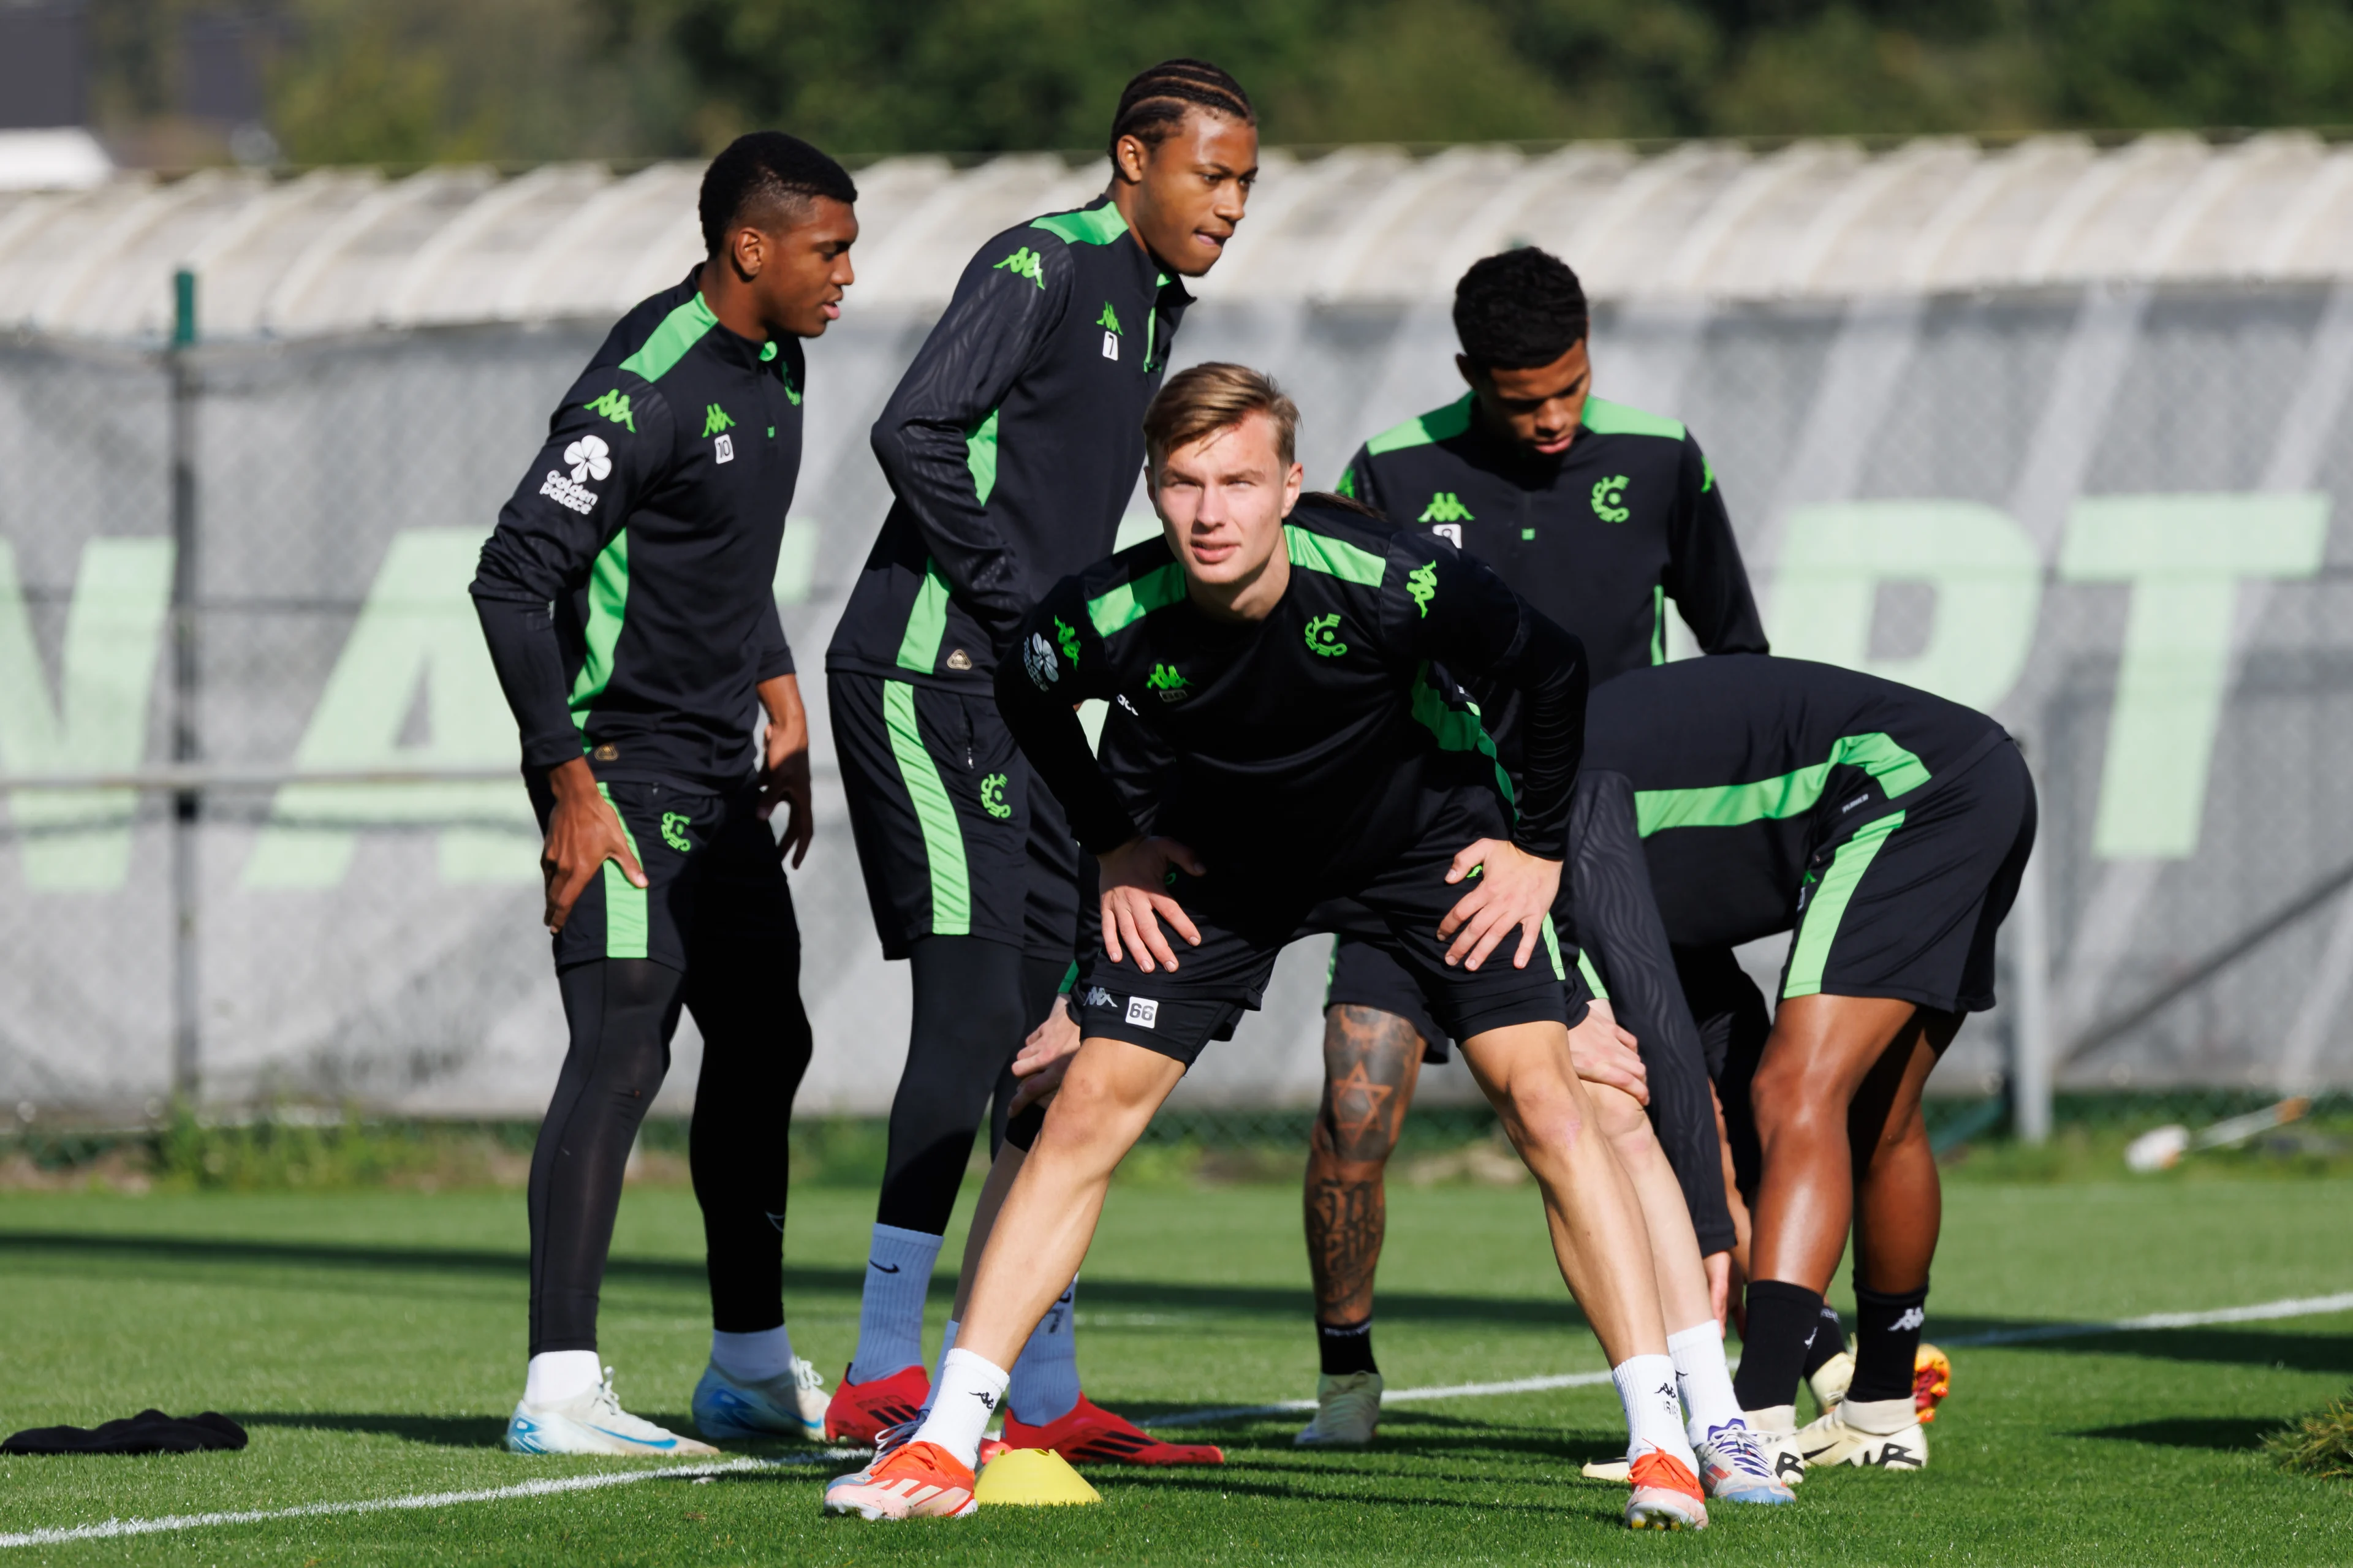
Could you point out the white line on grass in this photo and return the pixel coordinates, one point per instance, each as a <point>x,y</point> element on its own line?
<point>115,1529</point>
<point>2262,1311</point>
<point>552,1486</point>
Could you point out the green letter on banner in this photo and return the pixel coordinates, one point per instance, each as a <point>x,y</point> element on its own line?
<point>2185,556</point>
<point>417,626</point>
<point>1987,579</point>
<point>80,839</point>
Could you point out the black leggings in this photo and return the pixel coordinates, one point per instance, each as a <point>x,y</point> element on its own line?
<point>976,1000</point>
<point>756,1046</point>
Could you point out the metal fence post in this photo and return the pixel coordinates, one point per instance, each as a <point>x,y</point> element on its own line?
<point>2034,1051</point>
<point>186,749</point>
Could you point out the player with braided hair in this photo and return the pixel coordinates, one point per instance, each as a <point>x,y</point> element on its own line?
<point>1011,447</point>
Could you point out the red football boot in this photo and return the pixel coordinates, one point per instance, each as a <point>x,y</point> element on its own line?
<point>1089,1433</point>
<point>859,1411</point>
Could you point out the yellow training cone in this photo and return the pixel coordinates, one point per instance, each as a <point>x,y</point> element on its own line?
<point>1033,1478</point>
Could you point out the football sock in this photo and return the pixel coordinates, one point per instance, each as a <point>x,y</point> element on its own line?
<point>556,1377</point>
<point>1654,1416</point>
<point>1887,1338</point>
<point>1046,1372</point>
<point>1345,1348</point>
<point>970,1389</point>
<point>1783,1318</point>
<point>891,1313</point>
<point>1829,1342</point>
<point>1707,1384</point>
<point>753,1358</point>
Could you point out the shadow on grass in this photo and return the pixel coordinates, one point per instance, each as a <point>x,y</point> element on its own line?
<point>2228,1434</point>
<point>2230,1345</point>
<point>437,1431</point>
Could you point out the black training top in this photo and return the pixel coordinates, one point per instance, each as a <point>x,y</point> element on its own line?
<point>1011,446</point>
<point>628,591</point>
<point>1598,538</point>
<point>1322,728</point>
<point>1743,766</point>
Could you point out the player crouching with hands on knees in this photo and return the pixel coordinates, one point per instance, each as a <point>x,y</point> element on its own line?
<point>1284,649</point>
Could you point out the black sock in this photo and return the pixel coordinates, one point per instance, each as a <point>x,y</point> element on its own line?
<point>1828,1341</point>
<point>1887,1338</point>
<point>1346,1347</point>
<point>1783,1321</point>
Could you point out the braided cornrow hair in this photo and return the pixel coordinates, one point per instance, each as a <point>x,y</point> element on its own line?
<point>1157,100</point>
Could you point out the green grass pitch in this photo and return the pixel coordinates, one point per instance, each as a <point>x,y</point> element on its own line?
<point>373,1344</point>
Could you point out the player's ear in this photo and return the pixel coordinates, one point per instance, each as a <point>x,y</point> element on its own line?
<point>747,247</point>
<point>1292,483</point>
<point>1129,159</point>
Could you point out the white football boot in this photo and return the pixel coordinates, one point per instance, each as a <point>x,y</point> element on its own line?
<point>1849,1434</point>
<point>790,1405</point>
<point>1828,1382</point>
<point>1347,1411</point>
<point>1734,1466</point>
<point>593,1422</point>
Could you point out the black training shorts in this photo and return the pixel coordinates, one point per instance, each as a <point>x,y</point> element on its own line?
<point>712,866</point>
<point>956,836</point>
<point>1246,923</point>
<point>1906,904</point>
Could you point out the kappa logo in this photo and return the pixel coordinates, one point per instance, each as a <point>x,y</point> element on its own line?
<point>1422,584</point>
<point>1323,636</point>
<point>1912,1318</point>
<point>715,420</point>
<point>1446,507</point>
<point>1609,499</point>
<point>1143,1011</point>
<point>992,798</point>
<point>1110,324</point>
<point>1172,686</point>
<point>614,405</point>
<point>1066,636</point>
<point>673,823</point>
<point>1097,996</point>
<point>1038,659</point>
<point>1024,263</point>
<point>589,459</point>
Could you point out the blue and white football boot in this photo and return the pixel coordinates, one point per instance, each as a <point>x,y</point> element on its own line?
<point>790,1405</point>
<point>595,1423</point>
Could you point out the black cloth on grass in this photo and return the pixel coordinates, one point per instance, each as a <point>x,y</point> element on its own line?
<point>149,1432</point>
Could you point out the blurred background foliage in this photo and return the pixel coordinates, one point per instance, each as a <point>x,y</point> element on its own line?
<point>404,81</point>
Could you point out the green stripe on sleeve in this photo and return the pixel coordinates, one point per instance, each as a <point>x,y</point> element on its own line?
<point>1131,602</point>
<point>1829,907</point>
<point>608,603</point>
<point>1438,425</point>
<point>625,921</point>
<point>1335,557</point>
<point>1088,226</point>
<point>1584,967</point>
<point>980,457</point>
<point>1457,729</point>
<point>1658,624</point>
<point>1789,795</point>
<point>935,813</point>
<point>1604,417</point>
<point>927,623</point>
<point>680,330</point>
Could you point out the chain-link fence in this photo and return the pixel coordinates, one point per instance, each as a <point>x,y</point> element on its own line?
<point>2104,516</point>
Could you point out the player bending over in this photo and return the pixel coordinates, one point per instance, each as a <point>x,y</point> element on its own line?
<point>1011,447</point>
<point>1599,514</point>
<point>625,596</point>
<point>1285,659</point>
<point>1887,828</point>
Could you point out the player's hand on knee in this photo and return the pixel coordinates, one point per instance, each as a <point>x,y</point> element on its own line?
<point>1603,1053</point>
<point>584,831</point>
<point>1045,1056</point>
<point>1136,899</point>
<point>1513,888</point>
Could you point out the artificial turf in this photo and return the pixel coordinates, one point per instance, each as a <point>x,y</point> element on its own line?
<point>373,1342</point>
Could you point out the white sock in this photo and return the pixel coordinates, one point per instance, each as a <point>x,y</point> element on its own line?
<point>1046,1374</point>
<point>557,1375</point>
<point>940,1367</point>
<point>1707,1382</point>
<point>891,1312</point>
<point>969,1391</point>
<point>1646,1387</point>
<point>753,1357</point>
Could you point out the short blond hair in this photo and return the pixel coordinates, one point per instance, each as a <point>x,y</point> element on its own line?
<point>1216,396</point>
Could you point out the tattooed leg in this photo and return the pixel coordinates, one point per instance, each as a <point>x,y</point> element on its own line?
<point>1371,1061</point>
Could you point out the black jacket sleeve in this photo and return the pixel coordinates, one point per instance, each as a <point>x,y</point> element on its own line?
<point>1458,612</point>
<point>772,655</point>
<point>1057,664</point>
<point>601,457</point>
<point>1704,575</point>
<point>936,437</point>
<point>1617,923</point>
<point>1359,483</point>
